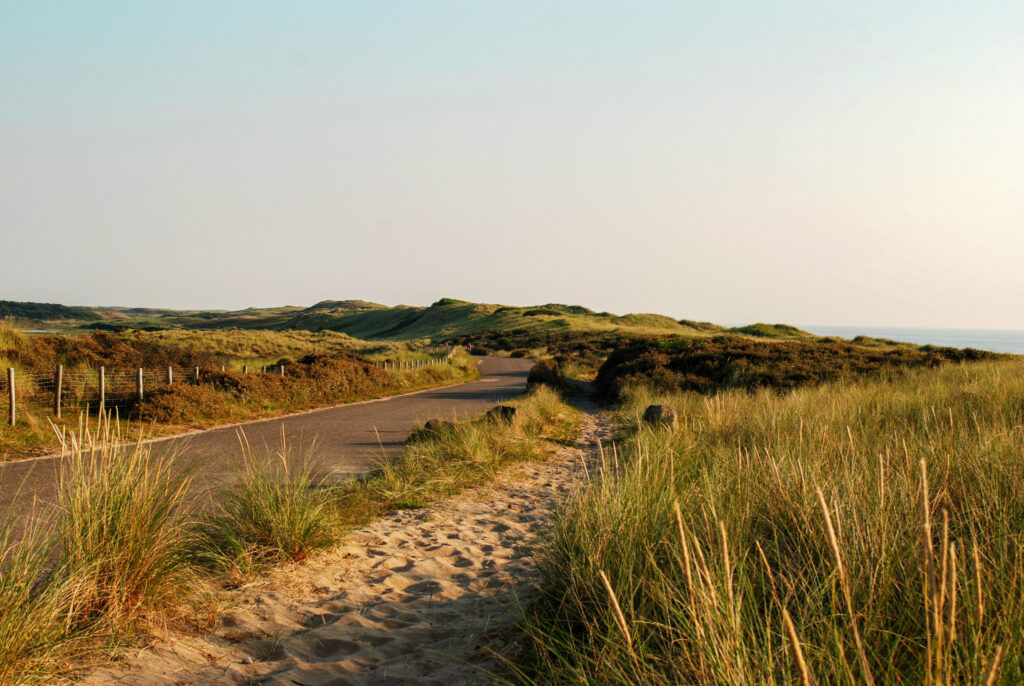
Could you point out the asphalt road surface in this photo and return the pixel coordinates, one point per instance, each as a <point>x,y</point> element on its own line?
<point>343,440</point>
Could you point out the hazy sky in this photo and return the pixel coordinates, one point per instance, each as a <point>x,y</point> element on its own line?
<point>805,162</point>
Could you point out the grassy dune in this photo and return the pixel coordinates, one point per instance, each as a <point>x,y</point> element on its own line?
<point>860,531</point>
<point>445,319</point>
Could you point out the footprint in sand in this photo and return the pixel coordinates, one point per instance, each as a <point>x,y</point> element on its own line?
<point>424,587</point>
<point>334,648</point>
<point>402,568</point>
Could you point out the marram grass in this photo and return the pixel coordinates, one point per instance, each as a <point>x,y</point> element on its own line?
<point>122,554</point>
<point>856,533</point>
<point>79,580</point>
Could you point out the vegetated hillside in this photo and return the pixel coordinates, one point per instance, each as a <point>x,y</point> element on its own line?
<point>267,344</point>
<point>776,331</point>
<point>43,312</point>
<point>156,319</point>
<point>100,348</point>
<point>449,319</point>
<point>187,348</point>
<point>445,319</point>
<point>722,362</point>
<point>576,333</point>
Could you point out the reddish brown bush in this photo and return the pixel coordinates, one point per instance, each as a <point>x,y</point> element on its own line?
<point>707,365</point>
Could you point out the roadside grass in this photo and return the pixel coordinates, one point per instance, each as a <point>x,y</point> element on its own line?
<point>123,554</point>
<point>865,531</point>
<point>83,579</point>
<point>277,511</point>
<point>455,457</point>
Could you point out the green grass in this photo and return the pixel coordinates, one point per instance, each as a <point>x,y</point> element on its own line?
<point>277,511</point>
<point>444,319</point>
<point>82,580</point>
<point>866,531</point>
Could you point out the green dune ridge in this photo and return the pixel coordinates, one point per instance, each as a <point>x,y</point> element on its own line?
<point>447,318</point>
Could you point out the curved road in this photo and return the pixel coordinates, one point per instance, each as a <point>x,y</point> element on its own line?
<point>344,440</point>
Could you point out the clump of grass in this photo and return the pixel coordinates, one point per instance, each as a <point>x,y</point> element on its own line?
<point>277,511</point>
<point>110,557</point>
<point>120,529</point>
<point>34,634</point>
<point>857,532</point>
<point>453,458</point>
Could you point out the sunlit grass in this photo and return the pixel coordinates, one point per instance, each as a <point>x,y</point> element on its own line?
<point>861,532</point>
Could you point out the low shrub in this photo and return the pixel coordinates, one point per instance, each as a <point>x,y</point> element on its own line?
<point>182,403</point>
<point>550,373</point>
<point>723,362</point>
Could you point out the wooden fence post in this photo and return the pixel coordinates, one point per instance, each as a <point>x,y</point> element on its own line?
<point>103,390</point>
<point>10,391</point>
<point>197,374</point>
<point>282,370</point>
<point>170,375</point>
<point>58,383</point>
<point>245,369</point>
<point>138,383</point>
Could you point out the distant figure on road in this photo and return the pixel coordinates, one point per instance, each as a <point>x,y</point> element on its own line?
<point>469,347</point>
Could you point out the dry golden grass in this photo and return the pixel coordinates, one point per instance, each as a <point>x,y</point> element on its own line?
<point>859,532</point>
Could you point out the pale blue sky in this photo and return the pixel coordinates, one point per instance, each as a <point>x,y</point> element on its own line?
<point>802,162</point>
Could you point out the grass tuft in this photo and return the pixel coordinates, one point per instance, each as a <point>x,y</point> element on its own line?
<point>277,511</point>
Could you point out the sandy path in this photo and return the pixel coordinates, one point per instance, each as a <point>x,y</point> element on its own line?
<point>419,597</point>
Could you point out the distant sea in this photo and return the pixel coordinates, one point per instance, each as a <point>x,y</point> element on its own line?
<point>982,339</point>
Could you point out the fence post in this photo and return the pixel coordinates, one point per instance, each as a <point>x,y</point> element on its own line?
<point>245,369</point>
<point>222,368</point>
<point>170,375</point>
<point>10,390</point>
<point>58,383</point>
<point>197,374</point>
<point>282,370</point>
<point>264,369</point>
<point>138,383</point>
<point>103,390</point>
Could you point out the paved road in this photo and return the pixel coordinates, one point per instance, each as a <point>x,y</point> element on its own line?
<point>344,440</point>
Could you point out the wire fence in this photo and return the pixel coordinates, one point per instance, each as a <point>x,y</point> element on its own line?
<point>104,389</point>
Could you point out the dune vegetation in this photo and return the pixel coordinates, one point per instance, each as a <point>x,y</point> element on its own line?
<point>319,370</point>
<point>856,528</point>
<point>724,362</point>
<point>122,554</point>
<point>442,320</point>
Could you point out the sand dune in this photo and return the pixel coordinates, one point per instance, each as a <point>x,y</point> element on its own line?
<point>421,597</point>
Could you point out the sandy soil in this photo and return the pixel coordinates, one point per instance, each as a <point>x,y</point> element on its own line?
<point>421,597</point>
